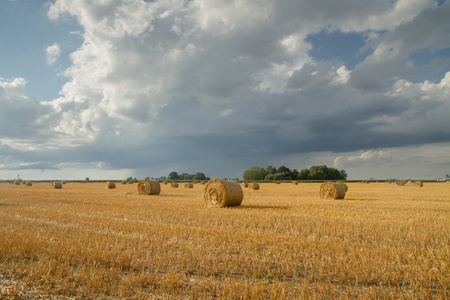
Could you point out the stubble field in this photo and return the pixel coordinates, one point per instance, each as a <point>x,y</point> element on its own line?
<point>87,242</point>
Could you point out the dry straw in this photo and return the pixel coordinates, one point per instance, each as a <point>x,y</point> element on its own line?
<point>110,185</point>
<point>344,185</point>
<point>245,184</point>
<point>57,185</point>
<point>188,185</point>
<point>174,184</point>
<point>332,190</point>
<point>294,182</point>
<point>222,193</point>
<point>148,187</point>
<point>253,186</point>
<point>17,182</point>
<point>28,183</point>
<point>418,183</point>
<point>401,182</point>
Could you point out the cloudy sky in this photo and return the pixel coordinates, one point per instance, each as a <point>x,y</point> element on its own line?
<point>117,88</point>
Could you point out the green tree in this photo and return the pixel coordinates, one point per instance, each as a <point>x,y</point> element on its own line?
<point>173,176</point>
<point>317,173</point>
<point>303,174</point>
<point>199,176</point>
<point>271,170</point>
<point>255,173</point>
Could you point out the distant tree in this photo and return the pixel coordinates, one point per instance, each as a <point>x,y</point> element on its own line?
<point>303,174</point>
<point>87,178</point>
<point>173,176</point>
<point>199,176</point>
<point>255,173</point>
<point>271,170</point>
<point>343,174</point>
<point>130,178</point>
<point>317,173</point>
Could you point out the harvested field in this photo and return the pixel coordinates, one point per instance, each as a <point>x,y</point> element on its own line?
<point>282,242</point>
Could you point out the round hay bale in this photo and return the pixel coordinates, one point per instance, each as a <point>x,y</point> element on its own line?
<point>28,183</point>
<point>245,184</point>
<point>222,193</point>
<point>332,190</point>
<point>295,182</point>
<point>124,182</point>
<point>344,185</point>
<point>148,187</point>
<point>110,185</point>
<point>188,185</point>
<point>253,186</point>
<point>401,182</point>
<point>418,183</point>
<point>174,184</point>
<point>57,185</point>
<point>17,182</point>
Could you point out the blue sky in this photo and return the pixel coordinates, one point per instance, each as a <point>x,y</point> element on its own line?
<point>113,89</point>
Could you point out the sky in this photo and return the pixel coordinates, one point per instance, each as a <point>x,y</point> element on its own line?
<point>117,88</point>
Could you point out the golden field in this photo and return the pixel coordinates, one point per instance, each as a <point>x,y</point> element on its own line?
<point>87,242</point>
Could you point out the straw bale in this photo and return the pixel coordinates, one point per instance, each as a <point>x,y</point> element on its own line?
<point>148,187</point>
<point>188,185</point>
<point>222,193</point>
<point>124,182</point>
<point>245,184</point>
<point>253,186</point>
<point>332,190</point>
<point>28,183</point>
<point>344,185</point>
<point>401,182</point>
<point>57,185</point>
<point>110,185</point>
<point>174,184</point>
<point>418,183</point>
<point>17,182</point>
<point>294,182</point>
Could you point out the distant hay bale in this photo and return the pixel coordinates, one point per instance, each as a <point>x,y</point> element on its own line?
<point>332,190</point>
<point>124,182</point>
<point>188,185</point>
<point>17,182</point>
<point>277,182</point>
<point>418,183</point>
<point>295,182</point>
<point>245,184</point>
<point>222,193</point>
<point>174,184</point>
<point>344,185</point>
<point>130,182</point>
<point>401,182</point>
<point>28,183</point>
<point>148,187</point>
<point>253,186</point>
<point>57,185</point>
<point>110,185</point>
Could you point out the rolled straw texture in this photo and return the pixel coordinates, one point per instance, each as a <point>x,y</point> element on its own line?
<point>57,185</point>
<point>401,182</point>
<point>110,185</point>
<point>174,184</point>
<point>344,185</point>
<point>188,185</point>
<point>253,186</point>
<point>28,183</point>
<point>418,183</point>
<point>222,193</point>
<point>332,190</point>
<point>148,187</point>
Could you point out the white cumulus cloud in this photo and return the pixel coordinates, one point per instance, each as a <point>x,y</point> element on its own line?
<point>52,54</point>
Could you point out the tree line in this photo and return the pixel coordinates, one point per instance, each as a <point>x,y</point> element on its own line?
<point>284,173</point>
<point>186,176</point>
